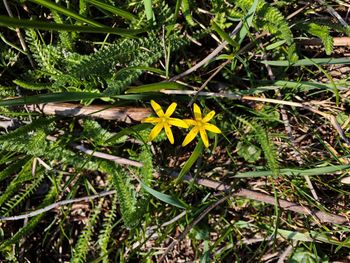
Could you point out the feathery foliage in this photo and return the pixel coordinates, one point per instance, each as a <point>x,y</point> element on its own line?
<point>23,194</point>
<point>83,245</point>
<point>323,33</point>
<point>125,191</point>
<point>269,18</point>
<point>104,237</point>
<point>268,149</point>
<point>32,223</point>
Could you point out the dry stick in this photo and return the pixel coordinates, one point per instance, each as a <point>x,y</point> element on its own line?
<point>124,114</point>
<point>106,156</point>
<point>57,204</point>
<point>190,226</point>
<point>19,34</point>
<point>209,57</point>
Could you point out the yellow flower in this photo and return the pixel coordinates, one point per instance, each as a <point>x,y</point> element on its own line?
<point>164,121</point>
<point>200,125</point>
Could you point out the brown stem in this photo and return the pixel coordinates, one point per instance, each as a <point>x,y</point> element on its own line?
<point>124,114</point>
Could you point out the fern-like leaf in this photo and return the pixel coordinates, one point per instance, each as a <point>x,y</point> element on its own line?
<point>23,176</point>
<point>24,130</point>
<point>32,223</point>
<point>47,56</point>
<point>323,33</point>
<point>125,191</point>
<point>268,149</point>
<point>23,194</point>
<point>269,18</point>
<point>82,247</point>
<point>106,231</point>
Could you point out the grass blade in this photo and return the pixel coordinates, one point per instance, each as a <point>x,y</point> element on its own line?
<point>117,11</point>
<point>67,12</point>
<point>155,87</point>
<point>148,9</point>
<point>6,21</point>
<point>300,172</point>
<point>247,22</point>
<point>307,62</point>
<point>163,197</point>
<point>193,158</point>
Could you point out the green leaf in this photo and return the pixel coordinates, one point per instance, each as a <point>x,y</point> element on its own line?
<point>53,97</point>
<point>224,35</point>
<point>301,255</point>
<point>247,22</point>
<point>163,197</point>
<point>148,9</point>
<point>275,45</point>
<point>113,9</point>
<point>66,12</point>
<point>187,12</point>
<point>63,97</point>
<point>31,86</point>
<point>193,158</point>
<point>307,62</point>
<point>155,87</point>
<point>6,21</point>
<point>300,172</point>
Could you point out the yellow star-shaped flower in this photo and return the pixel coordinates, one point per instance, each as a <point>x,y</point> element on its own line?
<point>164,121</point>
<point>200,126</point>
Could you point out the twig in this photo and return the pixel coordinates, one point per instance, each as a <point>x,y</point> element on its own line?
<point>106,156</point>
<point>190,226</point>
<point>54,205</point>
<point>124,114</point>
<point>209,57</point>
<point>207,81</point>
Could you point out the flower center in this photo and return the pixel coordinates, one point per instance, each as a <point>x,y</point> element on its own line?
<point>200,123</point>
<point>164,120</point>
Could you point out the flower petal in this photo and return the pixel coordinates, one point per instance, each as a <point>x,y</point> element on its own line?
<point>169,133</point>
<point>170,109</point>
<point>212,128</point>
<point>155,131</point>
<point>151,120</point>
<point>156,107</point>
<point>204,137</point>
<point>177,122</point>
<point>190,122</point>
<point>190,136</point>
<point>209,116</point>
<point>197,112</point>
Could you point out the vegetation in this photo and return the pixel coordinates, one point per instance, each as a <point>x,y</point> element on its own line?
<point>160,131</point>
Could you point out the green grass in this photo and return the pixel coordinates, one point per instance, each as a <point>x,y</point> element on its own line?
<point>271,186</point>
